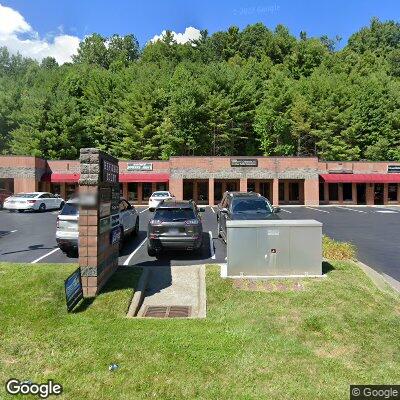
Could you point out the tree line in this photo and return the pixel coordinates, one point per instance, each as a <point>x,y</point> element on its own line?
<point>254,91</point>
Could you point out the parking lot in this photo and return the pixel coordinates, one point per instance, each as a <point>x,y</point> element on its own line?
<point>30,237</point>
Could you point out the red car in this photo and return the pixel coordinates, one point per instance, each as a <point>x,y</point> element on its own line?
<point>4,193</point>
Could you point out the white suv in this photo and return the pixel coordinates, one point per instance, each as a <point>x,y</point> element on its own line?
<point>157,197</point>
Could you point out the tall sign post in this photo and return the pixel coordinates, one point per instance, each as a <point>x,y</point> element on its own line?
<point>99,230</point>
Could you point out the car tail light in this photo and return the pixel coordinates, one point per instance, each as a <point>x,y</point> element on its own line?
<point>155,222</point>
<point>191,222</point>
<point>31,201</point>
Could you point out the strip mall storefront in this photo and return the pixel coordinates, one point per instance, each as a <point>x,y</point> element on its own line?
<point>284,180</point>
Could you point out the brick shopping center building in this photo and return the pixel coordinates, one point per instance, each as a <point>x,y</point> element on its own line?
<point>283,180</point>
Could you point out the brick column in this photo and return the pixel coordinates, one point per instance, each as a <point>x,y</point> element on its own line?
<point>176,187</point>
<point>139,193</point>
<point>275,192</point>
<point>243,184</point>
<point>195,193</point>
<point>326,192</point>
<point>125,191</point>
<point>354,193</point>
<point>311,195</point>
<point>340,193</point>
<point>211,191</point>
<point>369,194</point>
<point>98,219</point>
<point>385,193</point>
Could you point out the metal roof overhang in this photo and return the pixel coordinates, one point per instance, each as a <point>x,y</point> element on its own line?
<point>361,178</point>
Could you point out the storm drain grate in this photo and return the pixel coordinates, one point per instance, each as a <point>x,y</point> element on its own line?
<point>167,311</point>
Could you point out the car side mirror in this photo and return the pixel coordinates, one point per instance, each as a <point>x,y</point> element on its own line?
<point>277,209</point>
<point>201,209</point>
<point>224,210</point>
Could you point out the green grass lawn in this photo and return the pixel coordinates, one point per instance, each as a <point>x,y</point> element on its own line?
<point>305,344</point>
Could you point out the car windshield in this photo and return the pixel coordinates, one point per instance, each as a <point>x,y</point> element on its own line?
<point>26,195</point>
<point>251,206</point>
<point>70,209</point>
<point>174,214</point>
<point>160,194</point>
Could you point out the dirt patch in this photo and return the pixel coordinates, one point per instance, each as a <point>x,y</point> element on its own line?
<point>262,285</point>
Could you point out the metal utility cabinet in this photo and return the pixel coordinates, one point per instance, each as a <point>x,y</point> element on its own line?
<point>274,248</point>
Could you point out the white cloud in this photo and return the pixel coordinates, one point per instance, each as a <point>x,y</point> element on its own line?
<point>18,36</point>
<point>181,38</point>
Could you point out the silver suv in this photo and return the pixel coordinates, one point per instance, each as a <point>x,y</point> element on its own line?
<point>67,234</point>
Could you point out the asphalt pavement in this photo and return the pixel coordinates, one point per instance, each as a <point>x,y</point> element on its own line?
<point>30,237</point>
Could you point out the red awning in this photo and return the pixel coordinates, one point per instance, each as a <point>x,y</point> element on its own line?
<point>57,178</point>
<point>143,177</point>
<point>361,178</point>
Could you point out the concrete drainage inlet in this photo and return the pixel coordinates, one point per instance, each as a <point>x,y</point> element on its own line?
<point>167,312</point>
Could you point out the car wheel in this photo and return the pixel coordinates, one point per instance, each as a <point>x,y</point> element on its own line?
<point>42,207</point>
<point>61,205</point>
<point>136,229</point>
<point>150,251</point>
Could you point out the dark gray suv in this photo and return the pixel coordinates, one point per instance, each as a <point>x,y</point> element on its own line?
<point>243,206</point>
<point>175,225</point>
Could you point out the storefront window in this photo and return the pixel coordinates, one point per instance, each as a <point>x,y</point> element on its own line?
<point>281,191</point>
<point>187,190</point>
<point>392,191</point>
<point>294,193</point>
<point>333,192</point>
<point>70,190</point>
<point>217,191</point>
<point>321,191</point>
<point>265,189</point>
<point>55,188</point>
<point>147,190</point>
<point>231,186</point>
<point>202,192</point>
<point>132,191</point>
<point>347,192</point>
<point>162,186</point>
<point>251,186</point>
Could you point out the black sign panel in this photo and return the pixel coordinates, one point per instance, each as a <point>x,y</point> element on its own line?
<point>394,169</point>
<point>73,289</point>
<point>109,171</point>
<point>244,162</point>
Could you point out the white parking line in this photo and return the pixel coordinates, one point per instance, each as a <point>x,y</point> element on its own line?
<point>386,211</point>
<point>282,209</point>
<point>128,260</point>
<point>317,209</point>
<point>211,246</point>
<point>143,210</point>
<point>212,209</point>
<point>41,258</point>
<point>15,230</point>
<point>352,209</point>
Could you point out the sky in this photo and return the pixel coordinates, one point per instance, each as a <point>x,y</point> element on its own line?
<point>40,28</point>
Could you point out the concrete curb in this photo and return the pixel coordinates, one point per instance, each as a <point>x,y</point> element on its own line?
<point>381,280</point>
<point>202,312</point>
<point>138,296</point>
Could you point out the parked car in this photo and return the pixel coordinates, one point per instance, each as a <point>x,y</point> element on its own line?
<point>67,234</point>
<point>243,206</point>
<point>34,201</point>
<point>4,194</point>
<point>157,197</point>
<point>175,225</point>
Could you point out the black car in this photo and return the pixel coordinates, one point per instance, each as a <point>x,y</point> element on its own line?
<point>243,206</point>
<point>175,225</point>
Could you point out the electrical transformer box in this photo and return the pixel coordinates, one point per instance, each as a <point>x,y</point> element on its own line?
<point>274,248</point>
